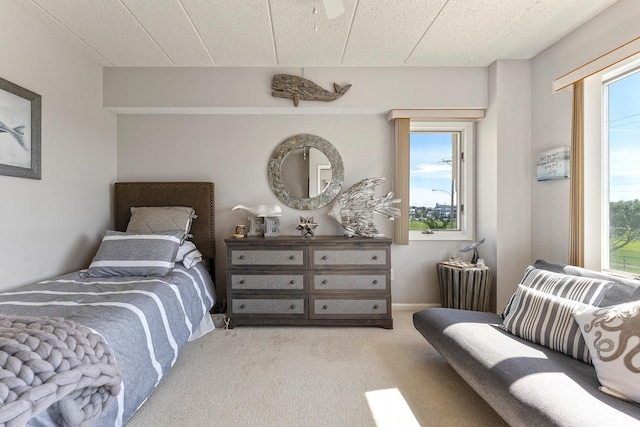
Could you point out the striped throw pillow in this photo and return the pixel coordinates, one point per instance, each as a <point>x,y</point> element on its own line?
<point>547,320</point>
<point>128,254</point>
<point>576,288</point>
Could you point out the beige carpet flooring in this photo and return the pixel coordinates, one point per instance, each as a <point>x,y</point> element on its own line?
<point>314,376</point>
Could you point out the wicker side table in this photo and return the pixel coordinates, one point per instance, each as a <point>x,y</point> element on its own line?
<point>464,285</point>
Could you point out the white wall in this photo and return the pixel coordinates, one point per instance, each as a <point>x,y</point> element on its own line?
<point>232,150</point>
<point>503,177</point>
<point>551,120</point>
<point>53,225</point>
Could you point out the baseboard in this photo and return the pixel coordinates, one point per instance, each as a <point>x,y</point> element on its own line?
<point>412,307</point>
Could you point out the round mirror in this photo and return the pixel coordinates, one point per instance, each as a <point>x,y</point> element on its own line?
<point>305,172</point>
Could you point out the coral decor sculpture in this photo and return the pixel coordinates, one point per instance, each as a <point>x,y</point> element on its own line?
<point>354,209</point>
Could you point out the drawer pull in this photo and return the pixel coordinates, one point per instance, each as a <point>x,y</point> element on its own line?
<point>375,282</point>
<point>324,307</point>
<point>324,257</point>
<point>242,306</point>
<point>293,306</point>
<point>292,282</point>
<point>375,257</point>
<point>375,307</point>
<point>292,257</point>
<point>241,256</point>
<point>242,282</point>
<point>324,282</point>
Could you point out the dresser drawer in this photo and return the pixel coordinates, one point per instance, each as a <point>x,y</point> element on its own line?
<point>282,257</point>
<point>337,257</point>
<point>268,306</point>
<point>329,282</point>
<point>240,282</point>
<point>321,307</point>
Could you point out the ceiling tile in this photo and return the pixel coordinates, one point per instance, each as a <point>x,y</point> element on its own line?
<point>172,30</point>
<point>237,33</point>
<point>108,28</point>
<point>272,33</point>
<point>384,33</point>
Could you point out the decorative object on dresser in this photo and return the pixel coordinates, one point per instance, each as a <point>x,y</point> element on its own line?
<point>354,209</point>
<point>299,88</point>
<point>265,221</point>
<point>305,172</point>
<point>328,280</point>
<point>307,226</point>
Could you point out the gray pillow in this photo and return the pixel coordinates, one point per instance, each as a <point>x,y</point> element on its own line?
<point>576,288</point>
<point>150,220</point>
<point>130,254</point>
<point>548,320</point>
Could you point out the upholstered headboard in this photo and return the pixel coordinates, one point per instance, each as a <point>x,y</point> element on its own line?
<point>198,195</point>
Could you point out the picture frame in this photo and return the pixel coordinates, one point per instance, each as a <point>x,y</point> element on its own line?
<point>20,131</point>
<point>553,164</point>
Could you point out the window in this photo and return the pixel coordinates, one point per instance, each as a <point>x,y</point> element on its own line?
<point>621,137</point>
<point>440,188</point>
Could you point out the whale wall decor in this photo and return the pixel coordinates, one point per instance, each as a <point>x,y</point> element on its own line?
<point>297,88</point>
<point>20,124</point>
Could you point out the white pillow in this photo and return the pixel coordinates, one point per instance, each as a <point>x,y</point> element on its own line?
<point>613,337</point>
<point>188,254</point>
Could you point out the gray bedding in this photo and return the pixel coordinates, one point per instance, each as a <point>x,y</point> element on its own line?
<point>146,321</point>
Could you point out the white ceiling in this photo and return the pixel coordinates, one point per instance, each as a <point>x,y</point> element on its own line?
<point>281,33</point>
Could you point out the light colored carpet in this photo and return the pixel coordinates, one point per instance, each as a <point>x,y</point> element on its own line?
<point>314,376</point>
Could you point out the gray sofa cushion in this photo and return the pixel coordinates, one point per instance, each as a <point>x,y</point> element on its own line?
<point>527,384</point>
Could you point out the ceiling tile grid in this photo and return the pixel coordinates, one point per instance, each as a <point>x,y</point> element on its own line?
<point>282,33</point>
<point>169,25</point>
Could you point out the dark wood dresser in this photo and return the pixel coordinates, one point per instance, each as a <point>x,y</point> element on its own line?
<point>325,280</point>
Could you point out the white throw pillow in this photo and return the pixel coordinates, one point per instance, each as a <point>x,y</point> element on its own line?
<point>188,254</point>
<point>613,337</point>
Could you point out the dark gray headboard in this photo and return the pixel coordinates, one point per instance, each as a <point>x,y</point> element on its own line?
<point>198,195</point>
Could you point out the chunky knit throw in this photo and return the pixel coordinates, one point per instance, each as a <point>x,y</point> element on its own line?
<point>53,362</point>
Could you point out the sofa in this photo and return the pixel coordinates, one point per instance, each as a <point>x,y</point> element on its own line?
<point>528,383</point>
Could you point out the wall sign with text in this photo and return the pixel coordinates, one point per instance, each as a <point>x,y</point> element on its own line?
<point>553,164</point>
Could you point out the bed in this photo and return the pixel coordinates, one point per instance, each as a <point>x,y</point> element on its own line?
<point>128,329</point>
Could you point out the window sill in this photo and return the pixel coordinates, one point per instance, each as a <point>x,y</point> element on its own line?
<point>440,235</point>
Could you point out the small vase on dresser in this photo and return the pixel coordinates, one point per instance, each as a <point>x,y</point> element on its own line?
<point>326,280</point>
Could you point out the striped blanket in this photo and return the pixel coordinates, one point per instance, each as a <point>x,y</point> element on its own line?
<point>146,321</point>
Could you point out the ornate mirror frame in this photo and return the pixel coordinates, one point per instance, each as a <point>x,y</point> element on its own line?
<point>309,141</point>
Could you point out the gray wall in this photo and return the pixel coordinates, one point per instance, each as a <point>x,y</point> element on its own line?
<point>52,226</point>
<point>232,149</point>
<point>222,124</point>
<point>551,127</point>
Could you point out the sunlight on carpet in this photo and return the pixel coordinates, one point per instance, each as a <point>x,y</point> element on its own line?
<point>389,409</point>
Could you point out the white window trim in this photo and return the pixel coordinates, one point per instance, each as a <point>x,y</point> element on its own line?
<point>466,187</point>
<point>616,72</point>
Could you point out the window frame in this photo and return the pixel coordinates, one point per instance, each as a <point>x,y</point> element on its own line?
<point>466,173</point>
<point>611,75</point>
